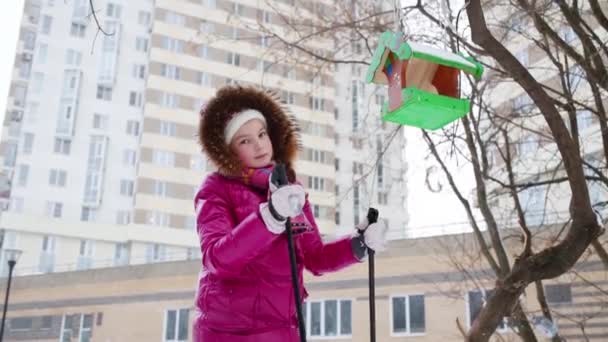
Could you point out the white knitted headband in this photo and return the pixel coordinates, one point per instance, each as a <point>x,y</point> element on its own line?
<point>239,120</point>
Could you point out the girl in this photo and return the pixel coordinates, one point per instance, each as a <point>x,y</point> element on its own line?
<point>244,291</point>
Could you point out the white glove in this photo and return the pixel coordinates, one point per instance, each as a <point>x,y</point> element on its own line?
<point>374,235</point>
<point>286,201</point>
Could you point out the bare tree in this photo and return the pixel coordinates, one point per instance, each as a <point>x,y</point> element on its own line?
<point>490,139</point>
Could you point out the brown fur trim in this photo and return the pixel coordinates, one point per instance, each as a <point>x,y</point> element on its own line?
<point>282,127</point>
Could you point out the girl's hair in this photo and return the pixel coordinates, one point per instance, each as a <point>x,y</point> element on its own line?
<point>282,127</point>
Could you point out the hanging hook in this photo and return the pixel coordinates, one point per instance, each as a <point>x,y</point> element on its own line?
<point>398,16</point>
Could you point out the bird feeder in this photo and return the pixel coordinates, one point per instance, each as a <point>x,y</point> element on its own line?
<point>422,82</point>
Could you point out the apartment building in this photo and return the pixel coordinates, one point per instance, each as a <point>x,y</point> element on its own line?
<point>533,149</point>
<point>100,160</point>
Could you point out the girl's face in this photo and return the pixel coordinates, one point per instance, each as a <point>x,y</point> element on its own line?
<point>252,144</point>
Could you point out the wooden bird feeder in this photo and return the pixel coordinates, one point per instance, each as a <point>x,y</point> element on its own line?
<point>422,82</point>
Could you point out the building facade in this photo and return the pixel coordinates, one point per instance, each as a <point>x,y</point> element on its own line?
<point>100,159</point>
<point>420,295</point>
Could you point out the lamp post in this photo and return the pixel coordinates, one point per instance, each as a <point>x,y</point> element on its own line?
<point>11,256</point>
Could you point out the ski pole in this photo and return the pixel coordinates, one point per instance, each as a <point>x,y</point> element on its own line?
<point>282,180</point>
<point>372,217</point>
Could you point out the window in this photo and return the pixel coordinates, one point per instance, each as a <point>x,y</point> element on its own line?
<point>567,34</point>
<point>143,18</point>
<point>141,44</point>
<point>19,92</point>
<point>233,59</point>
<point>20,323</point>
<point>88,214</point>
<point>172,44</point>
<point>28,143</point>
<point>197,163</point>
<point>584,119</point>
<point>576,74</point>
<point>167,128</point>
<point>207,27</point>
<point>100,121</point>
<point>356,204</point>
<point>47,322</point>
<point>133,127</point>
<point>328,318</point>
<point>523,57</point>
<point>73,57</point>
<point>316,183</point>
<point>104,93</point>
<point>57,177</point>
<point>528,145</point>
<point>160,188</point>
<point>558,294</point>
<point>476,299</point>
<point>522,101</point>
<point>174,18</point>
<point>382,198</point>
<point>86,325</point>
<point>29,40</point>
<point>210,3</point>
<point>163,158</point>
<point>170,71</point>
<point>126,187</point>
<point>16,204</point>
<point>176,325</point>
<point>139,71</point>
<point>47,254</point>
<point>78,30</point>
<point>121,254</point>
<point>337,217</point>
<point>288,97</point>
<point>237,8</point>
<point>42,53</point>
<point>24,171</point>
<point>129,157</point>
<point>316,103</point>
<point>204,79</point>
<point>54,209</point>
<point>113,11</point>
<point>135,99</point>
<point>85,256</point>
<point>123,217</point>
<point>62,146</point>
<point>379,99</point>
<point>160,219</point>
<point>47,23</point>
<point>66,327</point>
<point>337,164</point>
<point>203,51</point>
<point>407,315</point>
<point>532,201</point>
<point>169,100</point>
<point>190,224</point>
<point>25,67</point>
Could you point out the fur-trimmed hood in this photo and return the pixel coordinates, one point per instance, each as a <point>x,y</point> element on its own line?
<point>229,100</point>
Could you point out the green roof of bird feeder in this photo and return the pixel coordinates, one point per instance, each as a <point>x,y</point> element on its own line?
<point>422,82</point>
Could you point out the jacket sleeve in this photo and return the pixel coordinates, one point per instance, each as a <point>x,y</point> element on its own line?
<point>322,257</point>
<point>227,246</point>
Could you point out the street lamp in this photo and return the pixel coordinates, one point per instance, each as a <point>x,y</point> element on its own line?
<point>11,256</point>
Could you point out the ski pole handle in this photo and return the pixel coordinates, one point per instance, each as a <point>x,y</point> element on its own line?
<point>372,215</point>
<point>279,175</point>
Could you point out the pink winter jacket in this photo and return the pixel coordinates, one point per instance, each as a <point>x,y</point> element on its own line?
<point>244,289</point>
